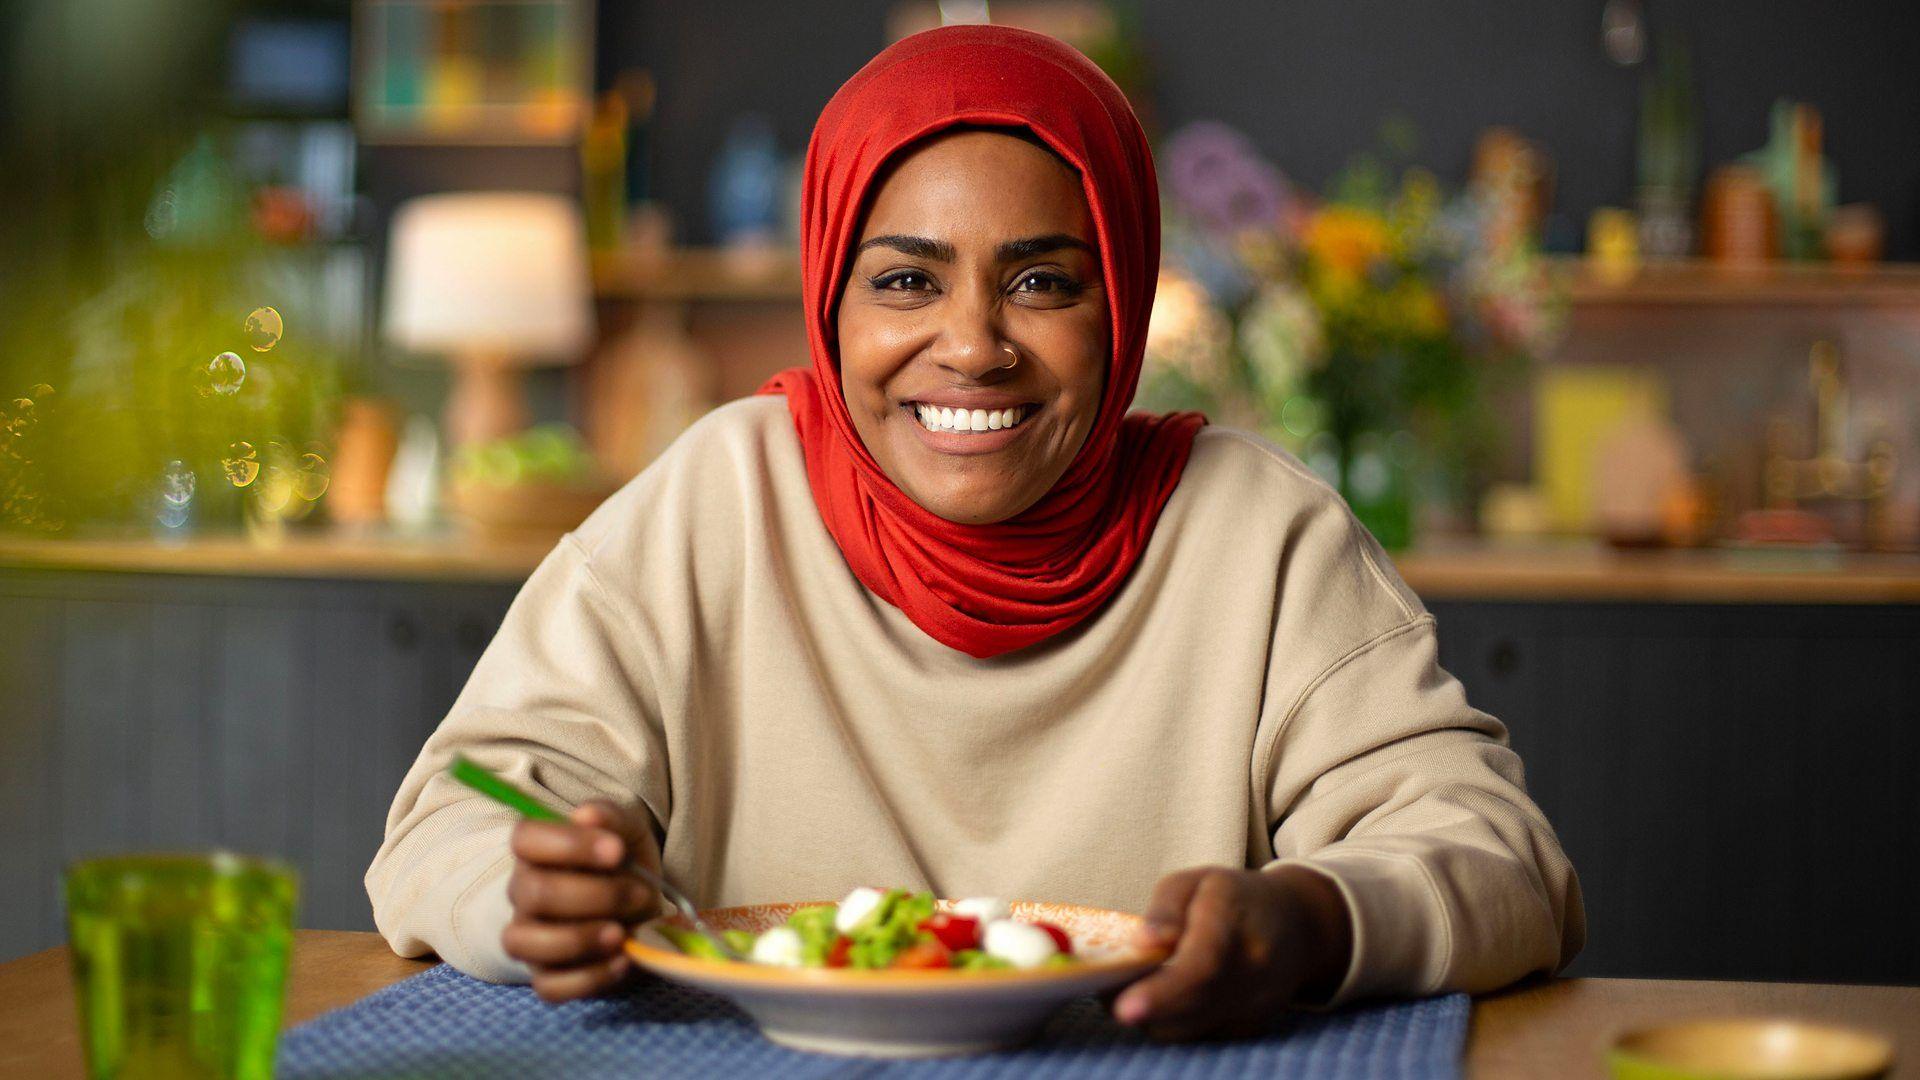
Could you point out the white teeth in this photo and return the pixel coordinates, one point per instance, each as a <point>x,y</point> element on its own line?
<point>939,418</point>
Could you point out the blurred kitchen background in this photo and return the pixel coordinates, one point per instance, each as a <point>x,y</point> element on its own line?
<point>319,322</point>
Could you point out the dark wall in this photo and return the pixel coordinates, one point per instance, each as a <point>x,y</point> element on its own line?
<point>1311,81</point>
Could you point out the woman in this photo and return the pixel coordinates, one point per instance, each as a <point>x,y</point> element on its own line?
<point>936,614</point>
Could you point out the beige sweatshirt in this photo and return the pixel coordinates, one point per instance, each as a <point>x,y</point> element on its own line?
<point>1263,688</point>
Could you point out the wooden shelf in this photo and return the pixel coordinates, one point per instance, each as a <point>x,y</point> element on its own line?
<point>700,274</point>
<point>325,555</point>
<point>1589,570</point>
<point>1458,570</point>
<point>1694,283</point>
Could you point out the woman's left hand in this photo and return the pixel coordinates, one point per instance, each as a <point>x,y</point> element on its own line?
<point>1246,945</point>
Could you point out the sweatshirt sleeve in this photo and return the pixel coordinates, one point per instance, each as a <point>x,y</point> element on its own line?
<point>560,703</point>
<point>1384,779</point>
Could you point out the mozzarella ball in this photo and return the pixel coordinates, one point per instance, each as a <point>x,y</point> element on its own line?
<point>858,905</point>
<point>779,946</point>
<point>1021,944</point>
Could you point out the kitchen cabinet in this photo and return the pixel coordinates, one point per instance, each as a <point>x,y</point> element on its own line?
<point>155,712</point>
<point>1734,782</point>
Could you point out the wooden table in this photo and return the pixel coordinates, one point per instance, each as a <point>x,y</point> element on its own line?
<point>1548,1029</point>
<point>1442,570</point>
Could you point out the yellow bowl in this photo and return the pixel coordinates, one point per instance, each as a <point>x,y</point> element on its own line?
<point>1749,1049</point>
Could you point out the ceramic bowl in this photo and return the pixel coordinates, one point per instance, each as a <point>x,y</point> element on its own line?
<point>533,509</point>
<point>914,1013</point>
<point>1749,1049</point>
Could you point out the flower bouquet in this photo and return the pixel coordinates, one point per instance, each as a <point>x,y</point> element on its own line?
<point>1366,330</point>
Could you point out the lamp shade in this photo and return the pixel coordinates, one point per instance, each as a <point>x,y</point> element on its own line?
<point>501,273</point>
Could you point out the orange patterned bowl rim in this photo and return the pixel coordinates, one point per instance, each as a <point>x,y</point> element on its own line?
<point>1110,932</point>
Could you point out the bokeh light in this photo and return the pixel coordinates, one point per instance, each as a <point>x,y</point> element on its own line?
<point>311,475</point>
<point>177,483</point>
<point>274,491</point>
<point>1185,331</point>
<point>225,374</point>
<point>263,328</point>
<point>273,494</point>
<point>242,463</point>
<point>161,215</point>
<point>1300,416</point>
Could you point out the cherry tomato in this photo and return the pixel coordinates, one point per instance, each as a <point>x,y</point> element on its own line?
<point>1059,936</point>
<point>837,956</point>
<point>926,954</point>
<point>956,932</point>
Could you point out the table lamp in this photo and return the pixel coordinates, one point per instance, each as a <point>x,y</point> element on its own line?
<point>497,282</point>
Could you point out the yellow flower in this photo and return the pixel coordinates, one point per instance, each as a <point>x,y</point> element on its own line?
<point>1424,312</point>
<point>1337,293</point>
<point>1345,240</point>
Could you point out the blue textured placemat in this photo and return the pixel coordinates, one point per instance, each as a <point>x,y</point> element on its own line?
<point>440,1025</point>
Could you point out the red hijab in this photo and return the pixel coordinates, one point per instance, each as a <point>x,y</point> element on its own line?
<point>988,589</point>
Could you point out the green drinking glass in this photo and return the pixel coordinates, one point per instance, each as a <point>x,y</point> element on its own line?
<point>180,963</point>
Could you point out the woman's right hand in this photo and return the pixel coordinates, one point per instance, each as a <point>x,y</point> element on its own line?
<point>574,898</point>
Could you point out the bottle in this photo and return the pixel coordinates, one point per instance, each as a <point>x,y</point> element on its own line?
<point>745,188</point>
<point>1807,219</point>
<point>413,484</point>
<point>603,167</point>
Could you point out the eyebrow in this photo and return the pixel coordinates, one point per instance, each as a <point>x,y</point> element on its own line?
<point>922,247</point>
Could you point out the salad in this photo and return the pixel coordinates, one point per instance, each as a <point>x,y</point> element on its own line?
<point>877,929</point>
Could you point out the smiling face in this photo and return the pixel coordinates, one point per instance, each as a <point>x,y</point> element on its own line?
<point>973,327</point>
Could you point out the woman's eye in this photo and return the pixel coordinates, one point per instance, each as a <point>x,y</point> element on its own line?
<point>1040,281</point>
<point>902,281</point>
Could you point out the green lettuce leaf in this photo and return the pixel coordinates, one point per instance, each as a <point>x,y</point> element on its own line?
<point>815,927</point>
<point>975,960</point>
<point>892,927</point>
<point>691,942</point>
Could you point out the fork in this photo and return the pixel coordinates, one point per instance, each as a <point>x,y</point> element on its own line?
<point>490,784</point>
